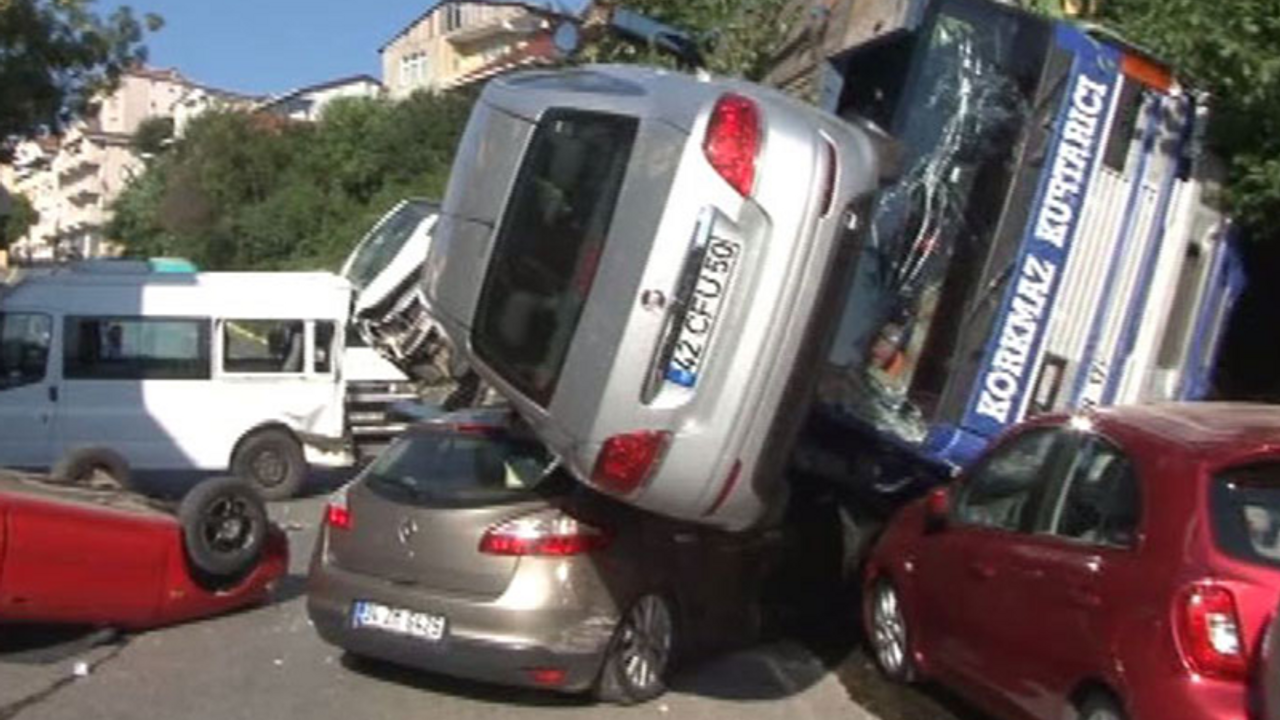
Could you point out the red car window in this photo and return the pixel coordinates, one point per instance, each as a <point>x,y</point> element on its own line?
<point>1245,505</point>
<point>1099,503</point>
<point>1004,489</point>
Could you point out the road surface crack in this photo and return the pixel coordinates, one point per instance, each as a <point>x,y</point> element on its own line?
<point>10,711</point>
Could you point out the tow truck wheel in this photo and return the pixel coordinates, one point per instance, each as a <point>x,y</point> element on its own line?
<point>271,460</point>
<point>224,527</point>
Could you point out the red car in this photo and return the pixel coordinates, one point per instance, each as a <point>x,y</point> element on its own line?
<point>70,554</point>
<point>1120,564</point>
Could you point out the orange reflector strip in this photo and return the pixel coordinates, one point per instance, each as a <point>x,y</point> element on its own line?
<point>1147,72</point>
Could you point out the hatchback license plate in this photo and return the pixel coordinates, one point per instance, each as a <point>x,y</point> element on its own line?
<point>703,308</point>
<point>366,614</point>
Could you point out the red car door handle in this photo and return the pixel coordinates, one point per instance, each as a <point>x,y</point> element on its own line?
<point>982,571</point>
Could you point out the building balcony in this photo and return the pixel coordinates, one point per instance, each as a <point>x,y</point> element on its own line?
<point>84,199</point>
<point>77,171</point>
<point>494,28</point>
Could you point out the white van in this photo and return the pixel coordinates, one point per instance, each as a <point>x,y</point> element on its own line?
<point>389,310</point>
<point>140,371</point>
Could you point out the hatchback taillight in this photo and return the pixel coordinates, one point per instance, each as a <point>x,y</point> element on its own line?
<point>626,461</point>
<point>733,141</point>
<point>547,533</point>
<point>1209,634</point>
<point>336,513</point>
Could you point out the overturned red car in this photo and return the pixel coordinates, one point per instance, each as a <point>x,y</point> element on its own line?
<point>71,554</point>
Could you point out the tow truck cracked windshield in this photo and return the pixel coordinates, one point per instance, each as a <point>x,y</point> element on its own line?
<point>883,359</point>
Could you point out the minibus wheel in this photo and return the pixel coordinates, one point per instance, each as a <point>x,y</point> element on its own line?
<point>93,467</point>
<point>272,461</point>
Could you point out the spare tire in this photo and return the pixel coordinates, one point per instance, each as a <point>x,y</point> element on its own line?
<point>82,466</point>
<point>224,527</point>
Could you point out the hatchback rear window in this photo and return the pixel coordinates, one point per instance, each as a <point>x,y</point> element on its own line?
<point>548,246</point>
<point>451,469</point>
<point>1245,503</point>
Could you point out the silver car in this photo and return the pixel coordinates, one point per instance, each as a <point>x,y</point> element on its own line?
<point>635,257</point>
<point>463,550</point>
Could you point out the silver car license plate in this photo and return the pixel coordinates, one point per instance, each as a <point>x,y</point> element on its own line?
<point>703,308</point>
<point>426,626</point>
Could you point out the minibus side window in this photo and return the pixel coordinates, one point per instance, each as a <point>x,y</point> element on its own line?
<point>24,348</point>
<point>324,346</point>
<point>263,346</point>
<point>136,348</point>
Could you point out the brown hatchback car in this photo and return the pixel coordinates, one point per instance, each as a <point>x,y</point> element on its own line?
<point>464,549</point>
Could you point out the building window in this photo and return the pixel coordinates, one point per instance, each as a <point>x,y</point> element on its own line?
<point>452,17</point>
<point>413,70</point>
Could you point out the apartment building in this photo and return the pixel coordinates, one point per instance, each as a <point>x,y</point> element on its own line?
<point>456,43</point>
<point>197,100</point>
<point>306,104</point>
<point>72,179</point>
<point>30,174</point>
<point>72,185</point>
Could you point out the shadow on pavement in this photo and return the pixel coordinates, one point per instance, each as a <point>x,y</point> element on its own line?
<point>49,644</point>
<point>291,586</point>
<point>471,690</point>
<point>773,671</point>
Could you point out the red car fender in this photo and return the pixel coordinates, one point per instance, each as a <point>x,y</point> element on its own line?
<point>183,598</point>
<point>4,523</point>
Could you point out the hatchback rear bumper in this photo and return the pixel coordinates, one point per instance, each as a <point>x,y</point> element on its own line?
<point>491,641</point>
<point>1189,697</point>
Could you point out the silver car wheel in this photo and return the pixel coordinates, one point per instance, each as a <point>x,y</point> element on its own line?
<point>645,644</point>
<point>889,630</point>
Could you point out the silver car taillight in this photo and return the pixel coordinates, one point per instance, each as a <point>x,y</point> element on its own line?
<point>733,141</point>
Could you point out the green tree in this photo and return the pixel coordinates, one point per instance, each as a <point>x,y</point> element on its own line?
<point>22,216</point>
<point>1231,50</point>
<point>738,38</point>
<point>244,191</point>
<point>56,54</point>
<point>152,136</point>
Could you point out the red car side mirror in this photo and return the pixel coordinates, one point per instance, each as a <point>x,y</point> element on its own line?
<point>937,508</point>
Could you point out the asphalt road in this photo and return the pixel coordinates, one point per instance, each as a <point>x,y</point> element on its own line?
<point>267,662</point>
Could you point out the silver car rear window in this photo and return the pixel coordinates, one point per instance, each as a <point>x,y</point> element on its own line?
<point>549,244</point>
<point>462,469</point>
<point>1245,505</point>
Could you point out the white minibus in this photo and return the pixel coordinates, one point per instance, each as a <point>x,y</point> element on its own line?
<point>127,372</point>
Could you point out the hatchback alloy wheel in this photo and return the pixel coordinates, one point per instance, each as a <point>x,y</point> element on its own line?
<point>635,668</point>
<point>888,632</point>
<point>646,642</point>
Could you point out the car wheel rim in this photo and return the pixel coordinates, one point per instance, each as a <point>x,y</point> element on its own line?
<point>227,526</point>
<point>269,467</point>
<point>889,630</point>
<point>646,642</point>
